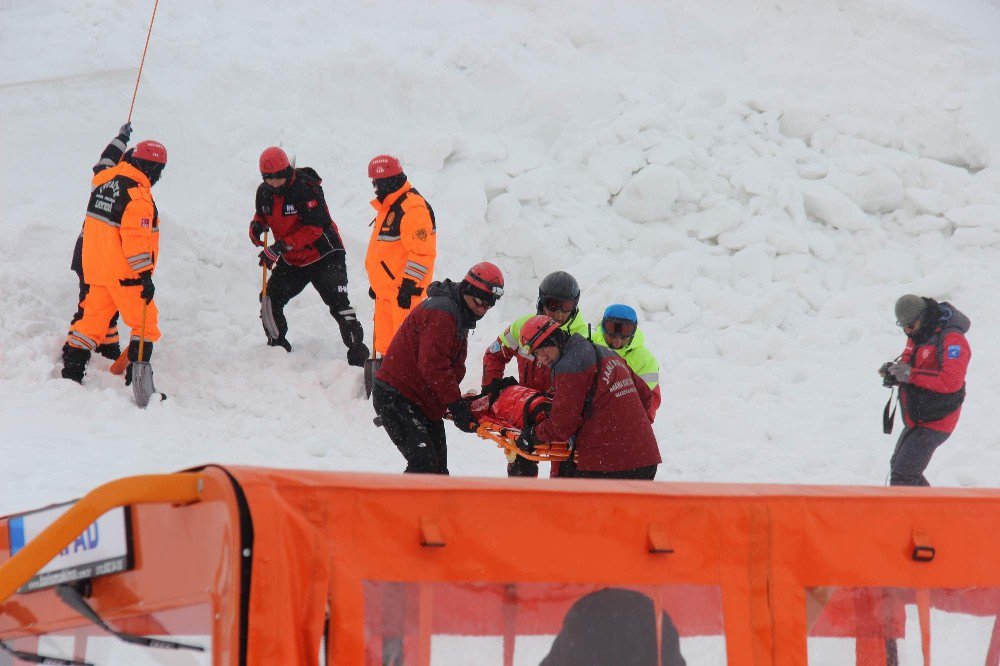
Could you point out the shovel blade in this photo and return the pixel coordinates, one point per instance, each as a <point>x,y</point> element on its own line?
<point>142,383</point>
<point>371,367</point>
<point>267,318</point>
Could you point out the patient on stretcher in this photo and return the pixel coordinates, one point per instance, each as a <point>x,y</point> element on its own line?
<point>513,407</point>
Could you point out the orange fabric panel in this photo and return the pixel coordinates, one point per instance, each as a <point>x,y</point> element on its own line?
<point>388,318</point>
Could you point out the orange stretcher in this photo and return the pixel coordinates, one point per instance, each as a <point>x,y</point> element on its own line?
<point>505,436</point>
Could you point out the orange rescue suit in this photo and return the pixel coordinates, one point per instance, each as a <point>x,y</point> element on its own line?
<point>403,245</point>
<point>120,240</point>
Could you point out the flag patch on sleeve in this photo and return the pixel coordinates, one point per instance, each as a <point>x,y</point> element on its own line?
<point>144,222</point>
<point>954,351</point>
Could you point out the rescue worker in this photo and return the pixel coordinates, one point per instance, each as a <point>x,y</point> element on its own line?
<point>931,377</point>
<point>110,348</point>
<point>558,298</point>
<point>120,249</point>
<point>420,374</point>
<point>401,251</point>
<point>307,249</point>
<point>598,405</point>
<point>619,330</point>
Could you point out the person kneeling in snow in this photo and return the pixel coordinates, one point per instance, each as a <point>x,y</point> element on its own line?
<point>598,404</point>
<point>619,330</point>
<point>424,365</point>
<point>307,248</point>
<point>931,377</point>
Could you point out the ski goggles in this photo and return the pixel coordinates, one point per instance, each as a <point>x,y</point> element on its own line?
<point>482,300</point>
<point>618,328</point>
<point>559,305</point>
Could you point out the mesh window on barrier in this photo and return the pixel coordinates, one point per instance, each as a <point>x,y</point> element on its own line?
<point>888,625</point>
<point>547,624</point>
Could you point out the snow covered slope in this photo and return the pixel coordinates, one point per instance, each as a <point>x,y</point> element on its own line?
<point>760,179</point>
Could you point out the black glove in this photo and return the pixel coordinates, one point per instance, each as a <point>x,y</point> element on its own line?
<point>269,257</point>
<point>358,354</point>
<point>146,279</point>
<point>371,293</point>
<point>526,440</point>
<point>407,290</point>
<point>461,414</point>
<point>125,132</point>
<point>257,230</point>
<point>494,388</point>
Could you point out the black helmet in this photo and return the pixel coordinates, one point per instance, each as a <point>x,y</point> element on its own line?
<point>559,285</point>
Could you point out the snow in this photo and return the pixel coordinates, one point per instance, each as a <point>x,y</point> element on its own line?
<point>761,180</point>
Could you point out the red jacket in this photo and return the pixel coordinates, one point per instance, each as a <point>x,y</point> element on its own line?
<point>613,433</point>
<point>933,397</point>
<point>425,361</point>
<point>299,217</point>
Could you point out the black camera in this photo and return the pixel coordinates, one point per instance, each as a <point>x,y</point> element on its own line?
<point>888,380</point>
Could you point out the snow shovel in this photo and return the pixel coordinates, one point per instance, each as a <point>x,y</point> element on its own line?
<point>266,313</point>
<point>371,367</point>
<point>142,371</point>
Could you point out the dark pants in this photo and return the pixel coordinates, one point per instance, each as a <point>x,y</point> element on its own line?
<point>329,277</point>
<point>567,470</point>
<point>914,449</point>
<point>421,440</point>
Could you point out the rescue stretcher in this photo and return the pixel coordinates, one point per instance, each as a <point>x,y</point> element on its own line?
<point>505,437</point>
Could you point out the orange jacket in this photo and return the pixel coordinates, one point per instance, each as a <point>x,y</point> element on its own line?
<point>403,244</point>
<point>121,231</point>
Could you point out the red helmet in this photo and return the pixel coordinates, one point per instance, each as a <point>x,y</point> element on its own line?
<point>384,166</point>
<point>487,278</point>
<point>151,151</point>
<point>273,160</point>
<point>535,331</point>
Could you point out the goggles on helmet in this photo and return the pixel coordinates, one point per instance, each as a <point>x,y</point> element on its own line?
<point>618,328</point>
<point>558,305</point>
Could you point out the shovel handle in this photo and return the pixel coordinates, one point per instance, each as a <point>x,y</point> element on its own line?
<point>263,274</point>
<point>142,330</point>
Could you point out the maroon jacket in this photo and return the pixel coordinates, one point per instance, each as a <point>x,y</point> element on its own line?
<point>613,433</point>
<point>425,361</point>
<point>299,217</point>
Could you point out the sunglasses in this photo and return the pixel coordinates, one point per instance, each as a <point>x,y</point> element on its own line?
<point>558,305</point>
<point>272,176</point>
<point>618,328</point>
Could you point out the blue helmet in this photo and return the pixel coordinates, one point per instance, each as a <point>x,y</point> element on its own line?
<point>623,312</point>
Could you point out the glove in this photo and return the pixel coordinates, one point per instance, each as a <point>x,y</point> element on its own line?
<point>407,290</point>
<point>371,293</point>
<point>125,132</point>
<point>461,414</point>
<point>358,354</point>
<point>494,388</point>
<point>900,372</point>
<point>145,280</point>
<point>257,230</point>
<point>526,440</point>
<point>269,257</point>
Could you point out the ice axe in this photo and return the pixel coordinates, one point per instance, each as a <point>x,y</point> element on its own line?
<point>142,371</point>
<point>266,313</point>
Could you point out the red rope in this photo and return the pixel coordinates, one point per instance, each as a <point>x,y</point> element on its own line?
<point>143,61</point>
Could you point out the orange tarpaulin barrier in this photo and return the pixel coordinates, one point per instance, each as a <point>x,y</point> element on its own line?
<point>414,566</point>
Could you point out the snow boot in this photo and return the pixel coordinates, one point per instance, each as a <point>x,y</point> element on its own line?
<point>74,363</point>
<point>280,342</point>
<point>110,350</point>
